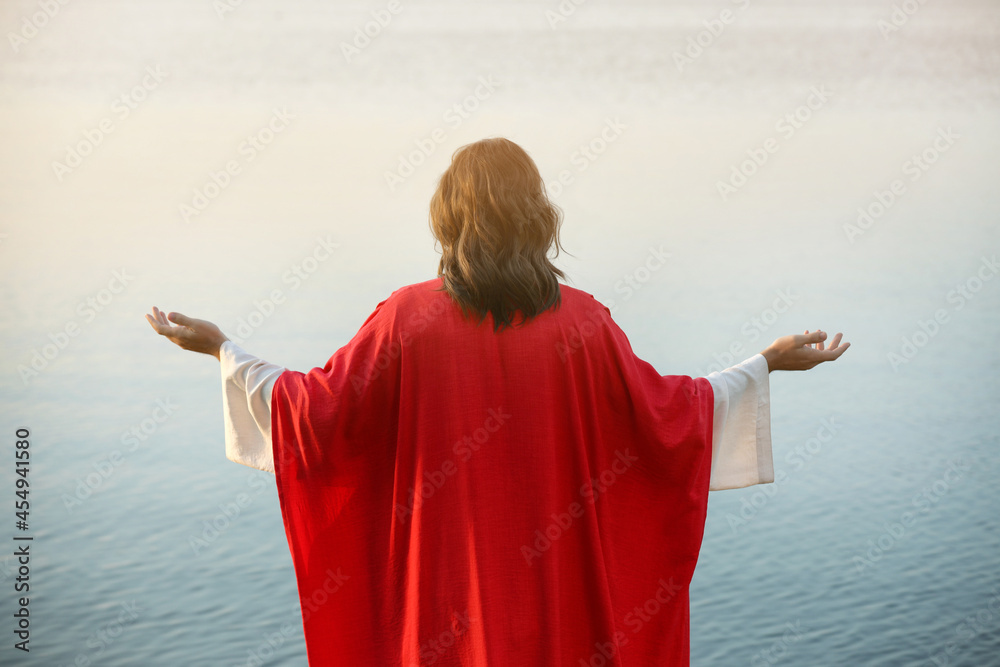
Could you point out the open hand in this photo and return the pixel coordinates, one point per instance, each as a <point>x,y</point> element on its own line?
<point>797,352</point>
<point>190,334</point>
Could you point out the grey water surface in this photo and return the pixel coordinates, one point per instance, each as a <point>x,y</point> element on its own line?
<point>268,167</point>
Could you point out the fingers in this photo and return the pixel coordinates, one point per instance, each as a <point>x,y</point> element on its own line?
<point>161,325</point>
<point>836,344</point>
<point>835,350</point>
<point>158,322</point>
<point>809,339</point>
<point>180,319</point>
<point>840,350</point>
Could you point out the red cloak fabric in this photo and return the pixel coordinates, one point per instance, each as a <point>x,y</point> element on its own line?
<point>455,496</point>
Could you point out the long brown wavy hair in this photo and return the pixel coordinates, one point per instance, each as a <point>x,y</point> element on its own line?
<point>495,224</point>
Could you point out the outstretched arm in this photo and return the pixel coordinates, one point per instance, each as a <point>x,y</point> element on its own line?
<point>741,429</point>
<point>741,433</point>
<point>247,383</point>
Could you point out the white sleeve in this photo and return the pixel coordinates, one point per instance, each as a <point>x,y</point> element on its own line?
<point>246,405</point>
<point>741,434</point>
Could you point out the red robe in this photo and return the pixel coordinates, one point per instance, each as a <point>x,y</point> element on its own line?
<point>455,496</point>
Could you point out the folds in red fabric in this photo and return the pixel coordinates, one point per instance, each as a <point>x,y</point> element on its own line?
<point>457,496</point>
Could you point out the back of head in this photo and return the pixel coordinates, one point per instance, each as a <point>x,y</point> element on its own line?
<point>495,225</point>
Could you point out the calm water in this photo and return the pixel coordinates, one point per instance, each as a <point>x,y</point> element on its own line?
<point>880,542</point>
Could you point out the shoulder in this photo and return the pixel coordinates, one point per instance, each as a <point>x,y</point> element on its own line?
<point>581,300</point>
<point>415,296</point>
<point>418,290</point>
<point>404,304</point>
<point>581,309</point>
